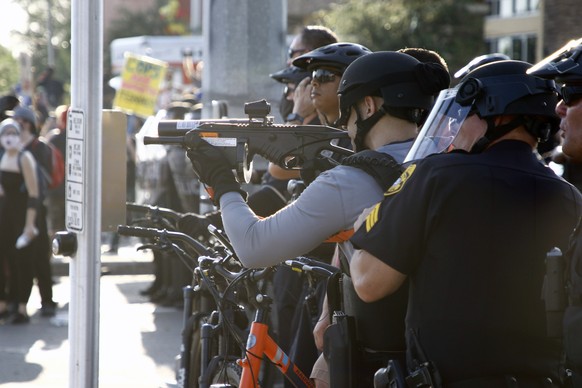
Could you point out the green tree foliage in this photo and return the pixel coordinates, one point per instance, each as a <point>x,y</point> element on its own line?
<point>453,28</point>
<point>36,36</point>
<point>8,76</point>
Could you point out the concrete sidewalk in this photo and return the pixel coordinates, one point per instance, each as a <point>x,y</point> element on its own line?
<point>138,340</point>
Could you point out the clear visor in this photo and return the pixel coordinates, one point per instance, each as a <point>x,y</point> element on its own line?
<point>441,127</point>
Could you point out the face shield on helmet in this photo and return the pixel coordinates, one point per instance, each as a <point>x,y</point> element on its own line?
<point>500,88</point>
<point>441,127</point>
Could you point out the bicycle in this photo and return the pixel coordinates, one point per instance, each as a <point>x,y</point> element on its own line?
<point>213,349</point>
<point>207,345</point>
<point>260,343</point>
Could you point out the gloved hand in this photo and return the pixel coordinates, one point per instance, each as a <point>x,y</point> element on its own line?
<point>194,225</point>
<point>212,169</point>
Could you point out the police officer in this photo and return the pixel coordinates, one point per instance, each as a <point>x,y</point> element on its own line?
<point>470,230</point>
<point>382,95</point>
<point>565,66</point>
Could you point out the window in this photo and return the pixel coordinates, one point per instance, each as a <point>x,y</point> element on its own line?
<point>494,7</point>
<point>519,47</point>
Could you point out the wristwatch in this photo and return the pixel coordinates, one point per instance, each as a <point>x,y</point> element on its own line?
<point>295,117</point>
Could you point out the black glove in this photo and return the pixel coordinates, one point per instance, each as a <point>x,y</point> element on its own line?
<point>212,169</point>
<point>194,225</point>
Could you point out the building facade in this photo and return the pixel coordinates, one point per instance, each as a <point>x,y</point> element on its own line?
<point>529,30</point>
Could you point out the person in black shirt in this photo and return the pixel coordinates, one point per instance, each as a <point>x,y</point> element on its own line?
<point>470,230</point>
<point>565,67</point>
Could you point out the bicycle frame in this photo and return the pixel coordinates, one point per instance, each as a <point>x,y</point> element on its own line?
<point>259,344</point>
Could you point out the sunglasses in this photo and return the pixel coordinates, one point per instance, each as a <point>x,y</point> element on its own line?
<point>293,53</point>
<point>323,76</point>
<point>570,94</point>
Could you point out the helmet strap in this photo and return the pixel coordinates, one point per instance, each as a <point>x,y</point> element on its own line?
<point>364,126</point>
<point>413,115</point>
<point>495,132</point>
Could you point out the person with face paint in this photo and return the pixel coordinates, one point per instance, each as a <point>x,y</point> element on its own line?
<point>18,207</point>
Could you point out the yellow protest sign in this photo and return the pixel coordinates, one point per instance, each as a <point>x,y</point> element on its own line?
<point>141,80</point>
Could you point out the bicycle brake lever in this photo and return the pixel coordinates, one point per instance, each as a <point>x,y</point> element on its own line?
<point>147,246</point>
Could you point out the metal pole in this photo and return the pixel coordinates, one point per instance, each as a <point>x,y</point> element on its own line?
<point>84,141</point>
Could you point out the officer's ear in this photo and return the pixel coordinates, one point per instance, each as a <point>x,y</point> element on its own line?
<point>370,105</point>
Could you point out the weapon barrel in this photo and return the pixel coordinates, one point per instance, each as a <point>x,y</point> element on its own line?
<point>173,140</point>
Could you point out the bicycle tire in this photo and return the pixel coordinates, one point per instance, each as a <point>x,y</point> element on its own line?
<point>194,367</point>
<point>229,373</point>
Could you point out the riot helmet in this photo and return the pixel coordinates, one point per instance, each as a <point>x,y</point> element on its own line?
<point>494,89</point>
<point>563,66</point>
<point>336,56</point>
<point>406,85</point>
<point>480,61</point>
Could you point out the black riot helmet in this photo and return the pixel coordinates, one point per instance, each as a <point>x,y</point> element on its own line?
<point>336,56</point>
<point>492,90</point>
<point>504,88</point>
<point>406,85</point>
<point>563,66</point>
<point>480,61</point>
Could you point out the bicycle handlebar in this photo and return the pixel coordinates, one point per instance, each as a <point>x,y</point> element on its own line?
<point>170,214</point>
<point>218,267</point>
<point>138,231</point>
<point>313,266</point>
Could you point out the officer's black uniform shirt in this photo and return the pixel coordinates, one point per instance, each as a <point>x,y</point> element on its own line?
<point>573,314</point>
<point>471,231</point>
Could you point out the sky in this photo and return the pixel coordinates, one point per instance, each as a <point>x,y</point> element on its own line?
<point>12,17</point>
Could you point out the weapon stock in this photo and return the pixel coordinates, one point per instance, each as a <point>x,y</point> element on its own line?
<point>288,146</point>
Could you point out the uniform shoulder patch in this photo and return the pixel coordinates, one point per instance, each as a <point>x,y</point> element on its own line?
<point>372,217</point>
<point>399,183</point>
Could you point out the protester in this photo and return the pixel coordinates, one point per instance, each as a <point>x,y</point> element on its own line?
<point>41,253</point>
<point>19,202</point>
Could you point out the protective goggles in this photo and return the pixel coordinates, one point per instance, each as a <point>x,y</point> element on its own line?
<point>570,94</point>
<point>323,76</point>
<point>441,127</point>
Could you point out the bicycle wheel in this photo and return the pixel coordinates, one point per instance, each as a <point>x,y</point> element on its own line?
<point>228,373</point>
<point>194,367</point>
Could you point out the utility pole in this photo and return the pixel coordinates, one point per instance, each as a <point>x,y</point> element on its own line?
<point>83,185</point>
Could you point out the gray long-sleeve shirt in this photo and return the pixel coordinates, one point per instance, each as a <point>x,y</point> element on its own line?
<point>330,204</point>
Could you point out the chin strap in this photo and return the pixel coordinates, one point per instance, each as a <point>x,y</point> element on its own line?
<point>493,133</point>
<point>364,126</point>
<point>413,115</point>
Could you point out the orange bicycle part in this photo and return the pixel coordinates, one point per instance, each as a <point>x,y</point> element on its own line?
<point>261,344</point>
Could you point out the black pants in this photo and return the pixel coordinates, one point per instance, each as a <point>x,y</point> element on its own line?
<point>41,257</point>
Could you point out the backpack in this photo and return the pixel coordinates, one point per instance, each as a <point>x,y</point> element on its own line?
<point>51,162</point>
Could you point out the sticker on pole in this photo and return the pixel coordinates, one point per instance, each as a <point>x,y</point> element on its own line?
<point>74,174</point>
